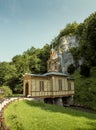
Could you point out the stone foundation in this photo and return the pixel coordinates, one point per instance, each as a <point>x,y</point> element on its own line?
<point>67,101</point>
<point>60,101</point>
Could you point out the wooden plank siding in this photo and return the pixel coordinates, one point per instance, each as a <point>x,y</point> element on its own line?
<point>54,86</point>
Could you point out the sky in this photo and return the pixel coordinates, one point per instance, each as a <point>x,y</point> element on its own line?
<point>27,23</point>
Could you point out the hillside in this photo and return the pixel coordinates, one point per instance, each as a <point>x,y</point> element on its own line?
<point>77,43</point>
<point>33,115</point>
<point>85,89</point>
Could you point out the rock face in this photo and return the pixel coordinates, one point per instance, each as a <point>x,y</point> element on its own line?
<point>67,42</point>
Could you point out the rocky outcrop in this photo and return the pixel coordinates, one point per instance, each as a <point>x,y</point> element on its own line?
<point>67,42</point>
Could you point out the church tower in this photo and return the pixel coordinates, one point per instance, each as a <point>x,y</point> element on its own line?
<point>53,64</point>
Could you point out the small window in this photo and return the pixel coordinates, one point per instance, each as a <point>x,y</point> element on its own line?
<point>69,85</point>
<point>41,85</point>
<point>60,84</point>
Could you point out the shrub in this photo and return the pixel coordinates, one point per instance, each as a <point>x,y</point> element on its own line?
<point>7,91</point>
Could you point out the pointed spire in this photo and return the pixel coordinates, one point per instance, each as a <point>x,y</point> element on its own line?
<point>53,62</point>
<point>53,54</point>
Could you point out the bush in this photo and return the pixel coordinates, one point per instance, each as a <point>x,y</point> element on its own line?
<point>85,89</point>
<point>7,91</point>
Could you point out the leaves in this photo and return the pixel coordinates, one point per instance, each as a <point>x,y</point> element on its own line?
<point>7,71</point>
<point>7,91</point>
<point>88,40</point>
<point>31,61</point>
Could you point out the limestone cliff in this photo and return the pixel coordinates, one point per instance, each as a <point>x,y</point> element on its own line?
<point>65,43</point>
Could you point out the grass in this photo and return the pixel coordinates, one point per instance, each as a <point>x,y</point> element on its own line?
<point>34,115</point>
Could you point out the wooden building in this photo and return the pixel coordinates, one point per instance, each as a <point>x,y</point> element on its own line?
<point>51,85</point>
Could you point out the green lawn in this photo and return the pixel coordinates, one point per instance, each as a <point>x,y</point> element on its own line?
<point>34,115</point>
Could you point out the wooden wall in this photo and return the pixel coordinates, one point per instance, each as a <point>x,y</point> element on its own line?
<point>51,86</point>
<point>35,88</point>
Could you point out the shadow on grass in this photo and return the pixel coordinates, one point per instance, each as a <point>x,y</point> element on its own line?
<point>64,110</point>
<point>86,129</point>
<point>61,109</point>
<point>91,123</point>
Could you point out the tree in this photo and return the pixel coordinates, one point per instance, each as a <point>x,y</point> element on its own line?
<point>88,40</point>
<point>38,60</point>
<point>80,29</point>
<point>7,71</point>
<point>34,64</point>
<point>30,51</point>
<point>70,29</point>
<point>44,55</point>
<point>21,62</point>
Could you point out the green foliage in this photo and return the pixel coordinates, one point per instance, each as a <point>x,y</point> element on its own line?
<point>85,89</point>
<point>55,41</point>
<point>44,56</point>
<point>7,91</point>
<point>88,40</point>
<point>87,45</point>
<point>32,61</point>
<point>71,69</point>
<point>80,29</point>
<point>34,115</point>
<point>75,51</point>
<point>7,71</point>
<point>16,84</point>
<point>34,64</point>
<point>30,51</point>
<point>38,60</point>
<point>21,63</point>
<point>70,29</point>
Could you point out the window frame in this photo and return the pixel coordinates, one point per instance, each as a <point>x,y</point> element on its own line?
<point>41,84</point>
<point>60,84</point>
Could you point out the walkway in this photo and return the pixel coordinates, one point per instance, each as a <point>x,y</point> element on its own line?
<point>5,101</point>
